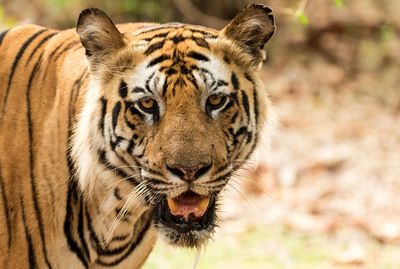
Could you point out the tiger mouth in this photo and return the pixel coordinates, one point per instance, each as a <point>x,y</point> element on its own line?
<point>187,212</point>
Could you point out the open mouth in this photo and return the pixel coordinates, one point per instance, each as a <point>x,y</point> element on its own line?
<point>187,212</point>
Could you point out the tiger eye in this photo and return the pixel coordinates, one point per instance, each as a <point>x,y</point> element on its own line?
<point>147,103</point>
<point>216,100</point>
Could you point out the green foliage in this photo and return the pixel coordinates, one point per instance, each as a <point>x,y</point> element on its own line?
<point>6,21</point>
<point>339,3</point>
<point>301,17</point>
<point>387,32</point>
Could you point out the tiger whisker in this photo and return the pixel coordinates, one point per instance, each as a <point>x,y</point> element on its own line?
<point>132,197</point>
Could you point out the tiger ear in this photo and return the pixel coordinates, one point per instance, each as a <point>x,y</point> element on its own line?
<point>98,33</point>
<point>251,29</point>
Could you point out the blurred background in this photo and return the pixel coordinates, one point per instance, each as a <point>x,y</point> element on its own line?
<point>327,194</point>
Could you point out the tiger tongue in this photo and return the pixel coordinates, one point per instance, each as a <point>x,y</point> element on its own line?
<point>187,204</point>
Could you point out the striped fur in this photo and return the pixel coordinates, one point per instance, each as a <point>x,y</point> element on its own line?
<point>77,153</point>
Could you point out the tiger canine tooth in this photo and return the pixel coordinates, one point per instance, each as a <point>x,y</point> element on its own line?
<point>173,206</point>
<point>204,204</point>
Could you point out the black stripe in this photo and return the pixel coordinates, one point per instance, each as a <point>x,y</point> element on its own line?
<point>165,87</point>
<point>60,47</point>
<point>256,114</point>
<point>242,130</point>
<point>5,209</point>
<point>222,168</point>
<point>103,160</point>
<point>119,238</point>
<point>81,234</point>
<point>234,117</point>
<point>94,239</point>
<point>245,103</point>
<point>155,36</point>
<point>192,79</point>
<point>154,171</point>
<point>128,165</point>
<point>170,71</point>
<point>115,140</point>
<point>172,27</point>
<point>206,34</point>
<point>56,49</point>
<point>115,114</point>
<point>104,251</point>
<point>125,217</point>
<point>217,187</point>
<point>138,90</point>
<point>198,56</point>
<point>131,145</point>
<point>117,194</point>
<point>32,159</point>
<point>98,245</point>
<point>134,244</point>
<point>73,199</point>
<point>222,83</point>
<point>31,252</point>
<point>76,86</point>
<point>226,59</point>
<point>16,61</point>
<point>165,27</point>
<point>177,39</point>
<point>249,78</point>
<point>123,89</point>
<point>201,42</point>
<point>131,126</point>
<point>224,178</point>
<point>231,131</point>
<point>3,35</point>
<point>51,55</point>
<point>154,181</point>
<point>156,46</point>
<point>227,106</point>
<point>68,47</point>
<point>103,115</point>
<point>255,103</point>
<point>134,111</point>
<point>73,196</point>
<point>38,46</point>
<point>147,85</point>
<point>158,60</point>
<point>235,81</point>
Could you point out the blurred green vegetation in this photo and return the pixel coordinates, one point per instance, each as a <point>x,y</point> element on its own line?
<point>63,13</point>
<point>267,247</point>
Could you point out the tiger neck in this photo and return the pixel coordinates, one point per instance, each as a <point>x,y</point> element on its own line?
<point>103,223</point>
<point>100,227</point>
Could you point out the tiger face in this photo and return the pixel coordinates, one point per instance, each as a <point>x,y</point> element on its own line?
<point>173,109</point>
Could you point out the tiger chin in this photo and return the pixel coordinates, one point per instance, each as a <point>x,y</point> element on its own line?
<point>112,135</point>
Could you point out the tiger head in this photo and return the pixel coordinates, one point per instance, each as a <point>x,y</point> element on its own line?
<point>172,110</point>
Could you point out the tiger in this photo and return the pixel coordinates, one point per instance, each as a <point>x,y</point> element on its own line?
<point>112,136</point>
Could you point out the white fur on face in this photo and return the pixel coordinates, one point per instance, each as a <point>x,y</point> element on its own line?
<point>84,138</point>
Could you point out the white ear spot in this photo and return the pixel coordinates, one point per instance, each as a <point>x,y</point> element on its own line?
<point>263,57</point>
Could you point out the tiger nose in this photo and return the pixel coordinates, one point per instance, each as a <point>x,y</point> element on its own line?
<point>188,173</point>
